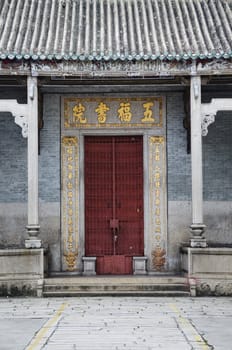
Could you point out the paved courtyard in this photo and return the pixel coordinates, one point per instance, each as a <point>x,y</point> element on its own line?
<point>100,323</point>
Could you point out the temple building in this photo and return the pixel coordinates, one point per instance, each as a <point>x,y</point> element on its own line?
<point>116,143</point>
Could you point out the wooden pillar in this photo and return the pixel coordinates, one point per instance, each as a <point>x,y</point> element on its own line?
<point>32,156</point>
<point>197,226</point>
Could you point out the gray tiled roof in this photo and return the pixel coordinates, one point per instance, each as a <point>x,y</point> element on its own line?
<point>115,29</point>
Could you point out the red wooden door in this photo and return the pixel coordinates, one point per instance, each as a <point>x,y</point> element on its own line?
<point>114,201</point>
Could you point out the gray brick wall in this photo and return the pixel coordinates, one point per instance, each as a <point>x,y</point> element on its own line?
<point>217,159</point>
<point>49,159</point>
<point>13,161</point>
<point>13,156</point>
<point>179,162</point>
<point>217,155</point>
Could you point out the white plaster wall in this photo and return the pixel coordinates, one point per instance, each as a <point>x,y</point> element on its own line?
<point>13,221</point>
<point>217,217</point>
<point>179,220</point>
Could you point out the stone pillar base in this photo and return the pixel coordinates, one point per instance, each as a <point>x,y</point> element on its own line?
<point>139,265</point>
<point>89,265</point>
<point>33,241</point>
<point>198,242</point>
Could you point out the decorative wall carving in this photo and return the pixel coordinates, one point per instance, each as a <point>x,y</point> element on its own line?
<point>215,287</point>
<point>157,176</point>
<point>70,199</point>
<point>19,112</point>
<point>117,68</point>
<point>207,119</point>
<point>158,258</point>
<point>209,111</point>
<point>22,121</point>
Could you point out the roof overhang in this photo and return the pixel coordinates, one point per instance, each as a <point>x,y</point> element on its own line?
<point>115,69</point>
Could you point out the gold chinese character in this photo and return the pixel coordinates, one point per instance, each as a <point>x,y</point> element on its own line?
<point>101,112</point>
<point>157,176</point>
<point>70,194</point>
<point>70,239</point>
<point>70,158</point>
<point>148,112</point>
<point>124,112</point>
<point>69,185</point>
<point>70,229</point>
<point>157,211</point>
<point>70,212</point>
<point>78,111</point>
<point>157,193</point>
<point>70,176</point>
<point>157,153</point>
<point>157,201</point>
<point>157,221</point>
<point>157,229</point>
<point>157,184</point>
<point>69,150</point>
<point>70,221</point>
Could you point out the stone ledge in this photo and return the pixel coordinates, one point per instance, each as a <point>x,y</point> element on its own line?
<point>209,270</point>
<point>21,287</point>
<point>22,271</point>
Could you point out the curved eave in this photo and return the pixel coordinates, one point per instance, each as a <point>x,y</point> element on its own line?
<point>123,58</point>
<point>115,30</point>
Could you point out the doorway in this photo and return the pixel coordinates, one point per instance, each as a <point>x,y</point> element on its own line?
<point>114,215</point>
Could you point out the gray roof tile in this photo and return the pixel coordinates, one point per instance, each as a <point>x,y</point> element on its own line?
<point>115,29</point>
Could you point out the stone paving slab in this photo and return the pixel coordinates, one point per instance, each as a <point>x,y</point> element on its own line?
<point>117,323</point>
<point>14,334</point>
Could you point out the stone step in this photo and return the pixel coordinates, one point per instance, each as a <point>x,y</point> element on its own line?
<point>160,293</point>
<point>85,286</point>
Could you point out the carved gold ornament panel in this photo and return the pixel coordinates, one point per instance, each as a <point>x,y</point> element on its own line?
<point>69,149</point>
<point>157,175</point>
<point>145,112</point>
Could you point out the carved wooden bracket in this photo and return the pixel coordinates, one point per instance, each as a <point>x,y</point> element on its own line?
<point>18,111</point>
<point>209,111</point>
<point>207,119</point>
<point>22,121</point>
